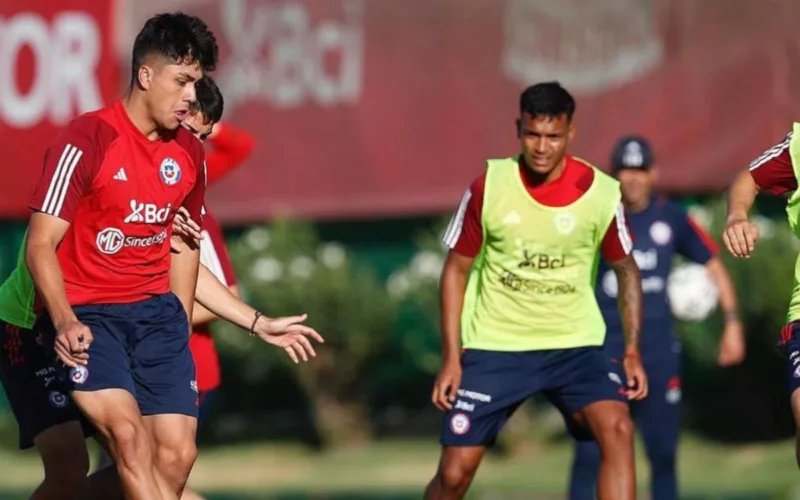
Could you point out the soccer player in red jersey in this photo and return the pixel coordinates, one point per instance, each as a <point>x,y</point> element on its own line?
<point>99,255</point>
<point>216,275</point>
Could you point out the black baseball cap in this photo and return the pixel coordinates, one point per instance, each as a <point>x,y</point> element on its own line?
<point>632,152</point>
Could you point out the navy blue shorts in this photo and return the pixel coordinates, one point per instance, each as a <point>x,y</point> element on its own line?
<point>142,348</point>
<point>790,345</point>
<point>38,398</point>
<point>494,384</point>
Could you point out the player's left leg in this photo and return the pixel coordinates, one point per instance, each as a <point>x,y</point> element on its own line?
<point>581,383</point>
<point>658,418</point>
<point>166,389</point>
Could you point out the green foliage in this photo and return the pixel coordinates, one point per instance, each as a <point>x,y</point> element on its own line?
<point>415,289</point>
<point>284,269</point>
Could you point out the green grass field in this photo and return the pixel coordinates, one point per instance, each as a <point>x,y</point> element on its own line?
<point>398,470</point>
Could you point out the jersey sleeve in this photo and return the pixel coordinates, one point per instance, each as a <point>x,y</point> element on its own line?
<point>464,233</point>
<point>230,147</point>
<point>195,200</point>
<point>618,241</point>
<point>773,172</point>
<point>692,241</point>
<point>214,252</point>
<point>70,165</point>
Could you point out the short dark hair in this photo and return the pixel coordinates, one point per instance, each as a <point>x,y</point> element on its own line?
<point>548,99</point>
<point>209,100</point>
<point>179,38</point>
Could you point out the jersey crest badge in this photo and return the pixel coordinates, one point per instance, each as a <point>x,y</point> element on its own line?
<point>564,222</point>
<point>661,233</point>
<point>170,172</point>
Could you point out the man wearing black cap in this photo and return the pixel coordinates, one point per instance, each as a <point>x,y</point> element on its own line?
<point>661,229</point>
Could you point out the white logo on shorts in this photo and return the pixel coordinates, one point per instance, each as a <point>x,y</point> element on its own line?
<point>797,372</point>
<point>193,385</point>
<point>673,395</point>
<point>58,400</point>
<point>79,374</point>
<point>459,424</point>
<point>615,378</point>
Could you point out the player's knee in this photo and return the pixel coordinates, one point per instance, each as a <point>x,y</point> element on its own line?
<point>616,431</point>
<point>130,443</point>
<point>455,478</point>
<point>175,461</point>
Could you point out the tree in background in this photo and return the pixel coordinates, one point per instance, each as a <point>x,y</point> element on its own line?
<point>284,267</point>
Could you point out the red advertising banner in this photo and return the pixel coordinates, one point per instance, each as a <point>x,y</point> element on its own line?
<point>55,63</point>
<point>371,108</point>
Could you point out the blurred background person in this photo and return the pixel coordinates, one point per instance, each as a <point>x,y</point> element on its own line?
<point>661,230</point>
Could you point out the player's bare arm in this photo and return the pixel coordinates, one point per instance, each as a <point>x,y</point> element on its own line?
<point>740,234</point>
<point>183,272</point>
<point>630,305</point>
<point>73,339</point>
<point>453,286</point>
<point>201,315</point>
<point>732,343</point>
<point>287,333</point>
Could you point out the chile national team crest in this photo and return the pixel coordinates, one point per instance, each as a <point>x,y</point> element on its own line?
<point>170,172</point>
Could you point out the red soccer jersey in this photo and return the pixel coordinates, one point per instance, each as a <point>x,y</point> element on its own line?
<point>119,191</point>
<point>230,147</point>
<point>213,255</point>
<point>464,234</point>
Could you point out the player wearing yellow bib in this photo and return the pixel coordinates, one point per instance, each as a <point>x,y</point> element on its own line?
<point>518,298</point>
<point>775,172</point>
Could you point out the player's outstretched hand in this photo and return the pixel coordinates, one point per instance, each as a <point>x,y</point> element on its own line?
<point>740,237</point>
<point>72,343</point>
<point>183,225</point>
<point>637,378</point>
<point>289,334</point>
<point>445,388</point>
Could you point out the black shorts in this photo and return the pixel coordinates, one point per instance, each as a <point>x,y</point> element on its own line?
<point>38,398</point>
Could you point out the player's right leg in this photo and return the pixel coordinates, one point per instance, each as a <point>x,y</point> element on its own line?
<point>493,384</point>
<point>166,385</point>
<point>46,417</point>
<point>582,384</point>
<point>104,389</point>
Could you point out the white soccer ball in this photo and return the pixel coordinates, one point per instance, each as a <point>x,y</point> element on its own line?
<point>692,294</point>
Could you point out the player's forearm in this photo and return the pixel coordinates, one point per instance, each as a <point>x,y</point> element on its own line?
<point>727,292</point>
<point>42,262</point>
<point>630,301</point>
<point>183,275</point>
<point>741,196</point>
<point>201,315</point>
<point>453,287</point>
<point>221,302</point>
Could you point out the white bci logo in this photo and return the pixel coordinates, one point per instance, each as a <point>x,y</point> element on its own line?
<point>147,213</point>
